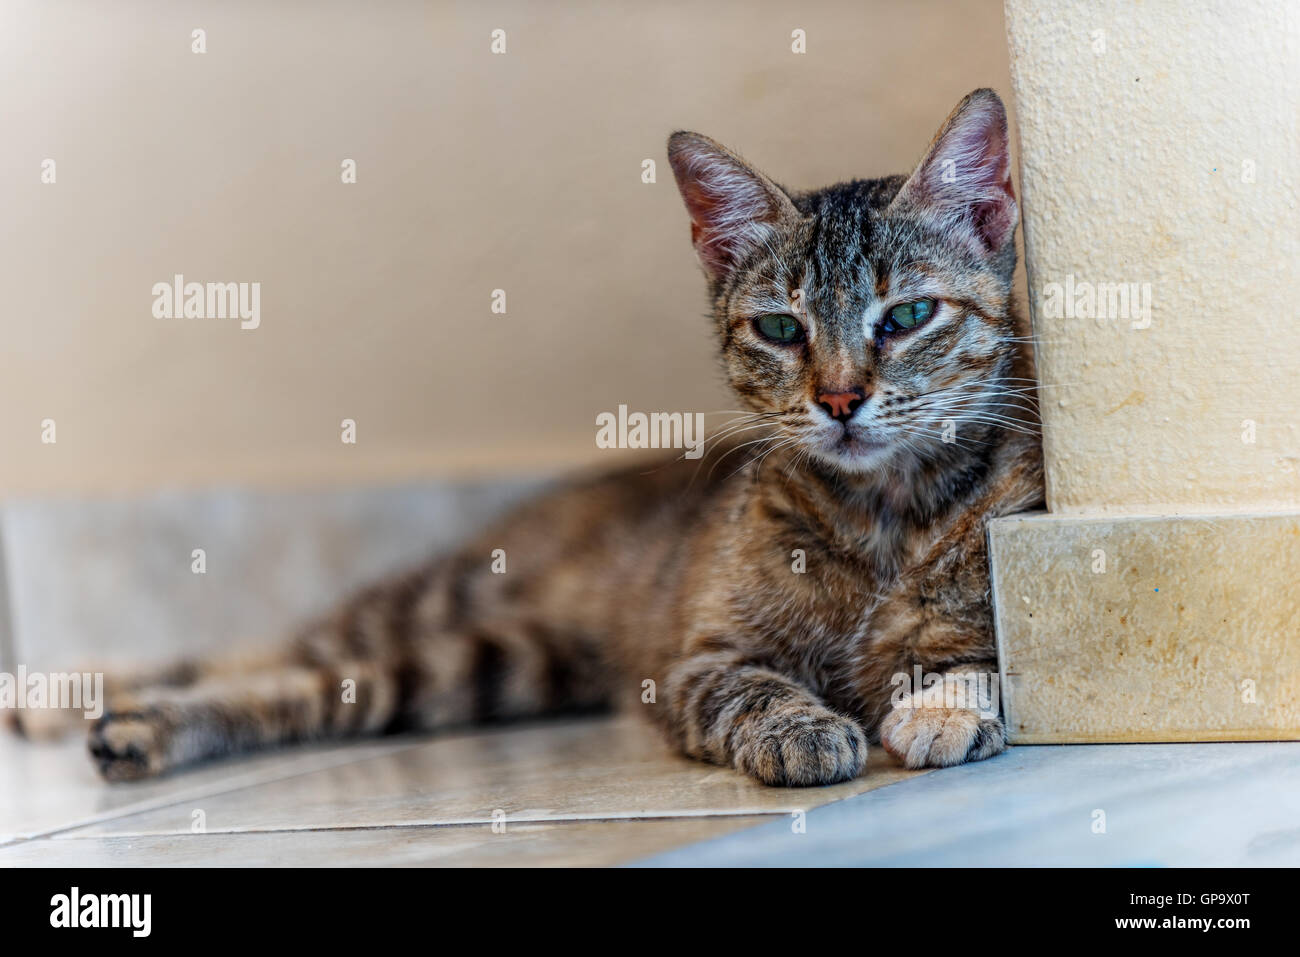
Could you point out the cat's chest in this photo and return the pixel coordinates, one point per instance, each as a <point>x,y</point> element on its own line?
<point>852,598</point>
<point>836,614</point>
<point>847,567</point>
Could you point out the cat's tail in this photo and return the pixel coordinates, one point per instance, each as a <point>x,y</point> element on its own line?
<point>432,649</point>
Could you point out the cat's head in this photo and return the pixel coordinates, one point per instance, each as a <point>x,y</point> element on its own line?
<point>869,320</point>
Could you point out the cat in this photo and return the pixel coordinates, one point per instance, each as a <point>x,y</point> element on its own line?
<point>759,615</point>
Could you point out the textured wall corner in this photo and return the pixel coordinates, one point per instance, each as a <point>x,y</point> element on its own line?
<point>1160,151</point>
<point>1148,629</point>
<point>1160,176</point>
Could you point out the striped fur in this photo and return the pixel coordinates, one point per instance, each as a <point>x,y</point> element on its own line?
<point>690,576</point>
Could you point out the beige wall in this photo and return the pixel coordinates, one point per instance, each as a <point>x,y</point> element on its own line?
<point>475,172</point>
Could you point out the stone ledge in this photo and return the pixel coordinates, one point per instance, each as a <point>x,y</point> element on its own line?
<point>1148,629</point>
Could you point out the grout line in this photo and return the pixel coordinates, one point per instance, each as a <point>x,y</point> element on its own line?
<point>628,817</point>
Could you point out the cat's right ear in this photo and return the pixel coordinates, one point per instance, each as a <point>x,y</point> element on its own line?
<point>733,207</point>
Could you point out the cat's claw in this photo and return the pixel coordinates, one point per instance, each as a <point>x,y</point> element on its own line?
<point>936,737</point>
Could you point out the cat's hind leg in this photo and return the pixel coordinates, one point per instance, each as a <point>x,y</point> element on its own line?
<point>53,723</point>
<point>492,673</point>
<point>152,730</point>
<point>441,647</point>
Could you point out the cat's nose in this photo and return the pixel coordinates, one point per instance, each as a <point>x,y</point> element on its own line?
<point>841,405</point>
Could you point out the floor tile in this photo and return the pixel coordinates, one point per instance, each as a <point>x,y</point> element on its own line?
<point>1166,805</point>
<point>50,786</point>
<point>549,844</point>
<point>592,768</point>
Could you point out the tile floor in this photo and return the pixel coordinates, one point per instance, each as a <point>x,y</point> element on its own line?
<point>1162,805</point>
<point>583,792</point>
<point>599,792</point>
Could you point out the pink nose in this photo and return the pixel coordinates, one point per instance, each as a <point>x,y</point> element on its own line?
<point>840,405</point>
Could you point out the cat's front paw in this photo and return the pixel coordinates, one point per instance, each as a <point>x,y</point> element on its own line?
<point>938,737</point>
<point>803,747</point>
<point>129,745</point>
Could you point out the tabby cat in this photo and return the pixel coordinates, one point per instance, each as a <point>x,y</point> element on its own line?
<point>868,329</point>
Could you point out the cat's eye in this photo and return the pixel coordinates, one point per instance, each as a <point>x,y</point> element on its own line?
<point>779,328</point>
<point>909,315</point>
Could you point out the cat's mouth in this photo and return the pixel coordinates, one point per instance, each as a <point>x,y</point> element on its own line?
<point>858,441</point>
<point>851,445</point>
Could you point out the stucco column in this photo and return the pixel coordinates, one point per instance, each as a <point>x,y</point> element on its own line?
<point>1159,598</point>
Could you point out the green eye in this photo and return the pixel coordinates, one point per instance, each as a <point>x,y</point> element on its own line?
<point>909,315</point>
<point>779,328</point>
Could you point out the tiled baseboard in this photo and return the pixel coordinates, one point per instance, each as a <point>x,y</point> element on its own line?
<point>93,582</point>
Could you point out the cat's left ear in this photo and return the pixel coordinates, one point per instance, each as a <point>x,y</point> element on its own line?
<point>964,181</point>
